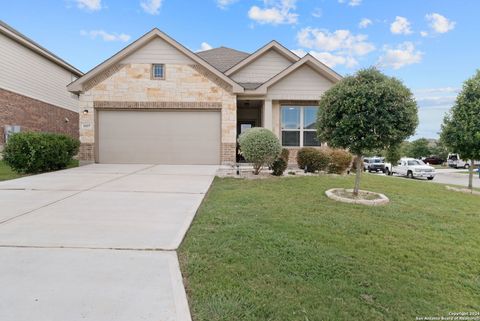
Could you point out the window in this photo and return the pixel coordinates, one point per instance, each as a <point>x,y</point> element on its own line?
<point>298,126</point>
<point>158,71</point>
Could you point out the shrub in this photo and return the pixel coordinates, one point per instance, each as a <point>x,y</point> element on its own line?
<point>312,159</point>
<point>280,164</point>
<point>259,146</point>
<point>340,161</point>
<point>285,154</point>
<point>31,152</point>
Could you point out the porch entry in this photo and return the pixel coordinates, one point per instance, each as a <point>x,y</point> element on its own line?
<point>249,115</point>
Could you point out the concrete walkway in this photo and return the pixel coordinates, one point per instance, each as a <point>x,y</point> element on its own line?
<point>97,242</point>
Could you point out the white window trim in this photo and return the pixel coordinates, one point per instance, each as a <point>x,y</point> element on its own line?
<point>301,130</point>
<point>153,72</point>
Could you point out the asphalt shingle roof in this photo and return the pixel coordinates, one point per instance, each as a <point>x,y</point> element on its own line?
<point>250,85</point>
<point>222,58</point>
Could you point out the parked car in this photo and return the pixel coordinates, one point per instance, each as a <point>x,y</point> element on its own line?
<point>412,168</point>
<point>433,160</point>
<point>374,164</point>
<point>454,160</point>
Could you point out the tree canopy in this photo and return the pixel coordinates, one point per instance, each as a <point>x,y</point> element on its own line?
<point>366,111</point>
<point>461,127</point>
<point>419,148</point>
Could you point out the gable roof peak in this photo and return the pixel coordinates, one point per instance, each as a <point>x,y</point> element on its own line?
<point>77,85</point>
<point>272,45</point>
<point>222,58</point>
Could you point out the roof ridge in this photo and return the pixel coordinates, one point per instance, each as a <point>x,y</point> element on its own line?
<point>224,47</point>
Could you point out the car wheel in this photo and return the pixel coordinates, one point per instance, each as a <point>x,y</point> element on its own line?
<point>429,178</point>
<point>387,172</point>
<point>467,166</point>
<point>410,174</point>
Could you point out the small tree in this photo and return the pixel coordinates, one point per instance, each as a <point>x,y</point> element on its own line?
<point>461,127</point>
<point>393,155</point>
<point>366,111</point>
<point>259,146</point>
<point>420,148</point>
<point>440,150</point>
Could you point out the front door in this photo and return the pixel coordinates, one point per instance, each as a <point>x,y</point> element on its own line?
<point>242,126</point>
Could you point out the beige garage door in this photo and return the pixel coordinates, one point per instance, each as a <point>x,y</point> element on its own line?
<point>159,137</point>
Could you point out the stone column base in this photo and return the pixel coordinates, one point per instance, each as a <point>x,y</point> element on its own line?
<point>228,154</point>
<point>86,153</point>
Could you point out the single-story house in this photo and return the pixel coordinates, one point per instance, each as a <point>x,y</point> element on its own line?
<point>33,94</point>
<point>156,101</point>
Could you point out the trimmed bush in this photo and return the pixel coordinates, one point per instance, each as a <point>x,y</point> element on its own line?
<point>285,154</point>
<point>313,159</point>
<point>32,152</point>
<point>259,146</point>
<point>340,161</point>
<point>280,164</point>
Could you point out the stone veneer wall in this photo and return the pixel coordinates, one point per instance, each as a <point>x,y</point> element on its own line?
<point>35,115</point>
<point>131,86</point>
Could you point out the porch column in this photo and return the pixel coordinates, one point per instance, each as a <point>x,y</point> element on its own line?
<point>267,114</point>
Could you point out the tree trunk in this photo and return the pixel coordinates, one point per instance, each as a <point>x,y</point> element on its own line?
<point>256,169</point>
<point>358,162</point>
<point>470,175</point>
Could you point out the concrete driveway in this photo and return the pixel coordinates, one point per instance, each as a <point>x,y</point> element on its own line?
<point>97,242</point>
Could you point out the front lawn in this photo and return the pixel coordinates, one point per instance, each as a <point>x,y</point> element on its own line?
<point>7,173</point>
<point>280,250</point>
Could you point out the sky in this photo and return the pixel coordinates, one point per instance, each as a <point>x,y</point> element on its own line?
<point>431,45</point>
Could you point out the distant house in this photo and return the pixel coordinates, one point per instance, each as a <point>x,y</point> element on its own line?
<point>156,101</point>
<point>33,94</point>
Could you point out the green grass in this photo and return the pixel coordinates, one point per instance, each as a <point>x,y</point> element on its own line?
<point>7,173</point>
<point>279,250</point>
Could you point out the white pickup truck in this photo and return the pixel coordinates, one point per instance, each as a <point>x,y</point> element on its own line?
<point>412,168</point>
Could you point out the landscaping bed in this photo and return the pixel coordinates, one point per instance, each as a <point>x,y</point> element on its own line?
<point>280,250</point>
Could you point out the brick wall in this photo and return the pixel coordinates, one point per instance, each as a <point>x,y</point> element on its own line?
<point>35,115</point>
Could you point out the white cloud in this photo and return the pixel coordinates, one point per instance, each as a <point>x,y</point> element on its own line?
<point>423,33</point>
<point>340,47</point>
<point>328,58</point>
<point>401,26</point>
<point>151,6</point>
<point>90,5</point>
<point>402,55</point>
<point>105,36</point>
<point>339,40</point>
<point>275,12</point>
<point>204,46</point>
<point>223,4</point>
<point>439,23</point>
<point>317,12</point>
<point>439,90</point>
<point>352,3</point>
<point>364,23</point>
<point>299,52</point>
